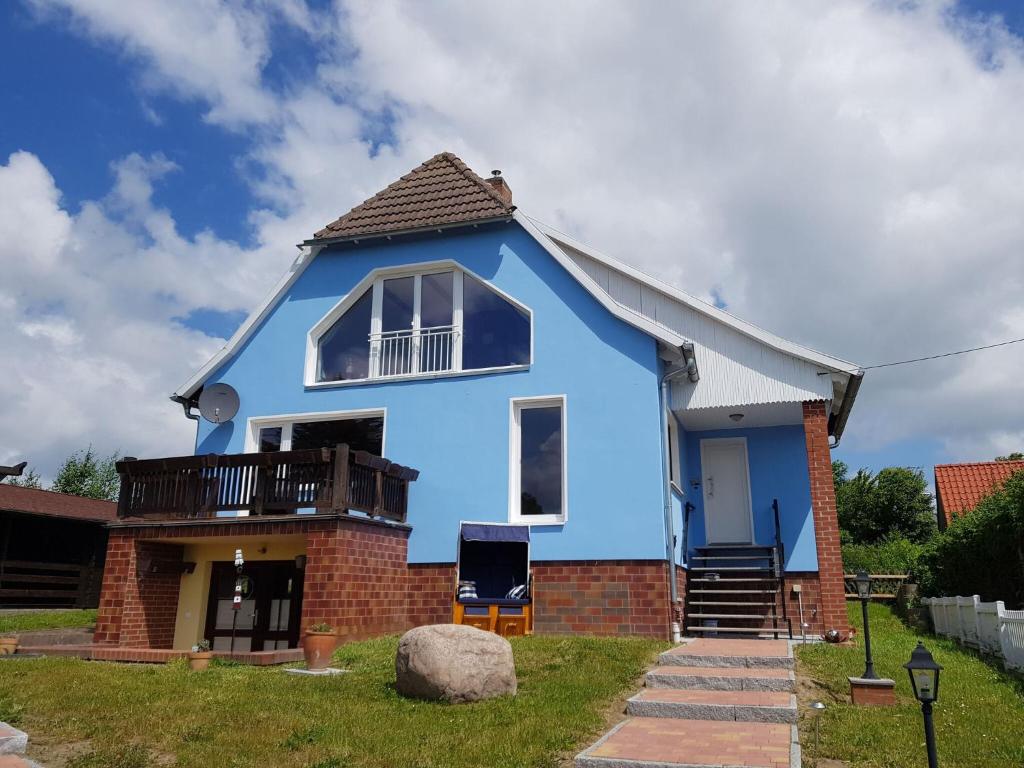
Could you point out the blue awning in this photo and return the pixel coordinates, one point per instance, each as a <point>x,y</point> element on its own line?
<point>482,532</point>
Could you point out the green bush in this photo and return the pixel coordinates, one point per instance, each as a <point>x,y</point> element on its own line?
<point>982,552</point>
<point>891,555</point>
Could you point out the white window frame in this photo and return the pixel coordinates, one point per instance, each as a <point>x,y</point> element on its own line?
<point>255,423</point>
<point>516,406</point>
<point>374,282</point>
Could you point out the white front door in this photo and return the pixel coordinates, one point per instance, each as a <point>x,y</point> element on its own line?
<point>726,485</point>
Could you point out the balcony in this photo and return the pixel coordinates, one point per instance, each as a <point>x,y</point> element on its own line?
<point>314,481</point>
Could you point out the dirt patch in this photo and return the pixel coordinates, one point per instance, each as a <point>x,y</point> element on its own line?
<point>53,753</point>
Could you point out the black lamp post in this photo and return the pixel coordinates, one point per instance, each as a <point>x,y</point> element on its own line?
<point>864,593</point>
<point>924,678</point>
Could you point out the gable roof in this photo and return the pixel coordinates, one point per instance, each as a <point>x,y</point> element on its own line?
<point>34,501</point>
<point>444,192</point>
<point>441,191</point>
<point>959,487</point>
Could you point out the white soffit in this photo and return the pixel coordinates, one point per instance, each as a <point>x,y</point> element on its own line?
<point>771,415</point>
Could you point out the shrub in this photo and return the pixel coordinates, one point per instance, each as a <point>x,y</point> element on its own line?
<point>894,554</point>
<point>982,552</point>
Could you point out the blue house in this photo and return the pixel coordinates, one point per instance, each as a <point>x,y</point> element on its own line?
<point>443,396</point>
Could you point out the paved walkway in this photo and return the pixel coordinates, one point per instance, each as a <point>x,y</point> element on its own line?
<point>708,704</point>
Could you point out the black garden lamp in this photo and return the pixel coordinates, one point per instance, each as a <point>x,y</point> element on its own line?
<point>924,679</point>
<point>864,594</point>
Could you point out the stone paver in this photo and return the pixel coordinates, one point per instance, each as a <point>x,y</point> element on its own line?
<point>17,761</point>
<point>721,678</point>
<point>715,652</point>
<point>744,706</point>
<point>663,741</point>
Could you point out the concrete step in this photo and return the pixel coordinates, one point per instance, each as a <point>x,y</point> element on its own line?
<point>708,652</point>
<point>757,632</point>
<point>658,742</point>
<point>744,706</point>
<point>721,678</point>
<point>744,616</point>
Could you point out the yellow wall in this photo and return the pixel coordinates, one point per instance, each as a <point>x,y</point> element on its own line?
<point>195,586</point>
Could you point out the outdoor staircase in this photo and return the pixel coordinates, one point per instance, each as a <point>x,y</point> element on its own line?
<point>708,703</point>
<point>736,590</point>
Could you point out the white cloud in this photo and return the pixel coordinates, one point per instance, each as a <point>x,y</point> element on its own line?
<point>847,175</point>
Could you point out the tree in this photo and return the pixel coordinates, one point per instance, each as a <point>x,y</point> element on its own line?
<point>1015,456</point>
<point>894,502</point>
<point>28,480</point>
<point>85,474</point>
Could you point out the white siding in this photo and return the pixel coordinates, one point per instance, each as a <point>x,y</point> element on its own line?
<point>735,369</point>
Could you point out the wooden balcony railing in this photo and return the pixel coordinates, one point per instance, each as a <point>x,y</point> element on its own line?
<point>281,482</point>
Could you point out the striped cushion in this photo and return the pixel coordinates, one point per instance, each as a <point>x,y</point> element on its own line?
<point>517,593</point>
<point>467,589</point>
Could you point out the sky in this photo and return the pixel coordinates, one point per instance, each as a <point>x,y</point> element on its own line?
<point>848,175</point>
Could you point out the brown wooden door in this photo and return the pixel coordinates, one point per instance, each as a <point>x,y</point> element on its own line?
<point>271,606</point>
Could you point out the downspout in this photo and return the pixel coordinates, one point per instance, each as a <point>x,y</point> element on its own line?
<point>689,368</point>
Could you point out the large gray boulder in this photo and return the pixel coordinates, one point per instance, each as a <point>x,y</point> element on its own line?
<point>454,663</point>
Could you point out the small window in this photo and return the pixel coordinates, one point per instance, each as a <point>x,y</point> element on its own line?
<point>538,492</point>
<point>345,350</point>
<point>673,450</point>
<point>270,439</point>
<point>496,332</point>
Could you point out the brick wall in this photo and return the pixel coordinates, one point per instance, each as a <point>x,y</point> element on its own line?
<point>137,610</point>
<point>826,521</point>
<point>356,579</point>
<point>431,589</point>
<point>601,597</point>
<point>811,592</point>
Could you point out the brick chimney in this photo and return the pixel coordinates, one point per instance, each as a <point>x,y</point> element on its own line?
<point>497,183</point>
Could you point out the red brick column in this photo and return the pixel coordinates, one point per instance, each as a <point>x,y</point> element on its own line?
<point>119,565</point>
<point>356,579</point>
<point>137,611</point>
<point>826,520</point>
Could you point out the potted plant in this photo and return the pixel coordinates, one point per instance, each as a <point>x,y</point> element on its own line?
<point>200,655</point>
<point>318,645</point>
<point>8,645</point>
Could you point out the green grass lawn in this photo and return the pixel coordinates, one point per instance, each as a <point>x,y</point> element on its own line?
<point>131,716</point>
<point>26,622</point>
<point>979,717</point>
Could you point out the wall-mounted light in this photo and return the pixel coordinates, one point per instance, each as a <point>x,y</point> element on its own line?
<point>300,562</point>
<point>737,417</point>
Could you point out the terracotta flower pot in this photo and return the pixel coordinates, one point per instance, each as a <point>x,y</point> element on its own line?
<point>199,660</point>
<point>8,645</point>
<point>317,647</point>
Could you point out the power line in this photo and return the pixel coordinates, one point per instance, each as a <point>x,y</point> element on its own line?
<point>944,354</point>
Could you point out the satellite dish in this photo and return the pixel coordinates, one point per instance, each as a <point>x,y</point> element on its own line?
<point>218,403</point>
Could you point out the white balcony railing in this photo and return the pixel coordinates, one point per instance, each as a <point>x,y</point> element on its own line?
<point>424,350</point>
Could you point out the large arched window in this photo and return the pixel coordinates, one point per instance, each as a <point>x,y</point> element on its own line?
<point>433,322</point>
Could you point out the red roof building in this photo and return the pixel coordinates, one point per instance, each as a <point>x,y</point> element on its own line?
<point>959,487</point>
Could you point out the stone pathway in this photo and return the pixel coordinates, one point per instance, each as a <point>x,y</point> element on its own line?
<point>710,703</point>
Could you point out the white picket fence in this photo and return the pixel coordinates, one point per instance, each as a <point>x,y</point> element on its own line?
<point>988,627</point>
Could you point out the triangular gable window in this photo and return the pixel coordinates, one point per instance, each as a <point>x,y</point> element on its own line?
<point>423,324</point>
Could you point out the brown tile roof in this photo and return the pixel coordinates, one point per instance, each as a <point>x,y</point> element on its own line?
<point>33,501</point>
<point>959,487</point>
<point>442,191</point>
